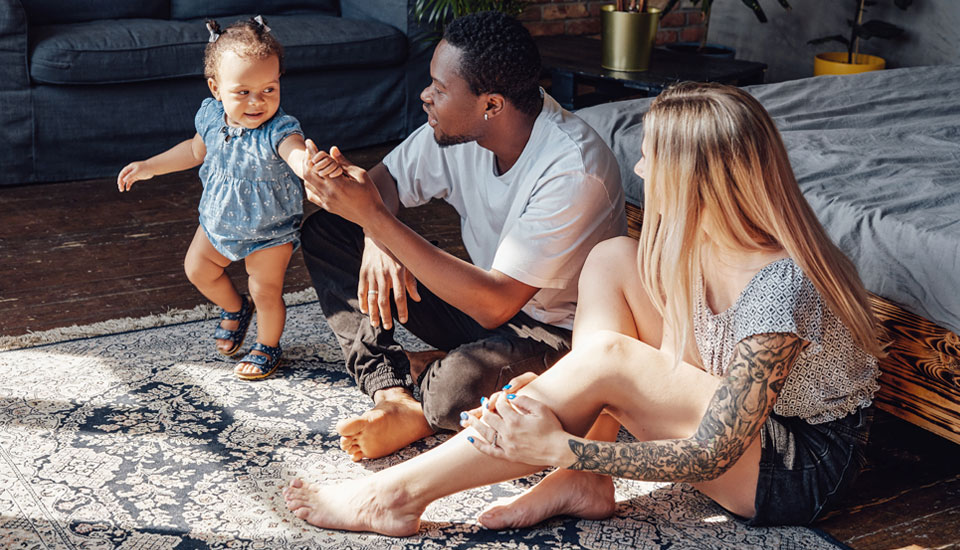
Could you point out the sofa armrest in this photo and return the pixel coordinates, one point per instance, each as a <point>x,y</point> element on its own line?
<point>14,68</point>
<point>16,97</point>
<point>398,14</point>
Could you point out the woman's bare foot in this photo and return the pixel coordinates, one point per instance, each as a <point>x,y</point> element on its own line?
<point>561,493</point>
<point>354,506</point>
<point>393,423</point>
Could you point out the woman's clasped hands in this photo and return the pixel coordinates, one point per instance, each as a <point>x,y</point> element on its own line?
<point>518,428</point>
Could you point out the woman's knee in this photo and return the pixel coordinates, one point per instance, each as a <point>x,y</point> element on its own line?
<point>610,257</point>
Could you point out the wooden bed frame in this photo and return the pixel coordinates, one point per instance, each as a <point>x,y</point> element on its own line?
<point>920,379</point>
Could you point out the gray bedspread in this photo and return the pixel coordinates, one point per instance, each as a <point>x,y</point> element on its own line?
<point>877,155</point>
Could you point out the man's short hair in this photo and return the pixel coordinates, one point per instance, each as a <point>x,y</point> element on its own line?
<point>498,56</point>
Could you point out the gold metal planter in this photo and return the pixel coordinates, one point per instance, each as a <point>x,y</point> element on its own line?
<point>627,38</point>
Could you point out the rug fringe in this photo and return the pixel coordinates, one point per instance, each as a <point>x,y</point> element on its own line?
<point>113,326</point>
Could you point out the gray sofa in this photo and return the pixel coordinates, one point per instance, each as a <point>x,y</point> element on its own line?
<point>89,85</point>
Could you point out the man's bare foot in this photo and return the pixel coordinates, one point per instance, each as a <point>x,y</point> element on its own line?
<point>354,506</point>
<point>562,493</point>
<point>393,423</point>
<point>420,359</point>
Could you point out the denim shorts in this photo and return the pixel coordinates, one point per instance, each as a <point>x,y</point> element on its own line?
<point>805,469</point>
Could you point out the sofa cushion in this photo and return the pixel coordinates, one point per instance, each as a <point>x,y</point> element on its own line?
<point>192,9</point>
<point>100,52</point>
<point>53,12</point>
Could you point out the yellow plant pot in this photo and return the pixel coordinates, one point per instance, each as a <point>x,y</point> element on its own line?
<point>836,63</point>
<point>627,38</point>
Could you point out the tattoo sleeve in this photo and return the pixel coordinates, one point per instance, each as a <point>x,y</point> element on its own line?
<point>739,407</point>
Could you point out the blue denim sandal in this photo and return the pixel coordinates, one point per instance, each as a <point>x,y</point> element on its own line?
<point>266,364</point>
<point>237,335</point>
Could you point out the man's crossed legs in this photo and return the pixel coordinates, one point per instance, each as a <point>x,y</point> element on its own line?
<point>470,361</point>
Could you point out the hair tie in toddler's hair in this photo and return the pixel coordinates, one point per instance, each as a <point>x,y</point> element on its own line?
<point>214,29</point>
<point>261,22</point>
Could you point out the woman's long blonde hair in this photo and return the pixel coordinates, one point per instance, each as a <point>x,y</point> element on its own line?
<point>716,160</point>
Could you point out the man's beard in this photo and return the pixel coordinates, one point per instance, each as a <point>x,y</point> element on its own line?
<point>445,140</point>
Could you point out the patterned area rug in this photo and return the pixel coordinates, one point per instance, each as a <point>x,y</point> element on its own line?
<point>146,440</point>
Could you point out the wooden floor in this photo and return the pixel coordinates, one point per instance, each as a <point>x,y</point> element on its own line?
<point>81,252</point>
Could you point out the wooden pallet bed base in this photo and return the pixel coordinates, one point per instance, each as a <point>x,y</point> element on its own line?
<point>920,379</point>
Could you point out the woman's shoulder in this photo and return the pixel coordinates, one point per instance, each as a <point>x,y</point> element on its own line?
<point>781,298</point>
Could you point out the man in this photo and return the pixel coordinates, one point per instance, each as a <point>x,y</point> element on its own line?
<point>536,189</point>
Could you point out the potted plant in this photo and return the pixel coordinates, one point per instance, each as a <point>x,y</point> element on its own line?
<point>702,48</point>
<point>628,31</point>
<point>852,61</point>
<point>437,13</point>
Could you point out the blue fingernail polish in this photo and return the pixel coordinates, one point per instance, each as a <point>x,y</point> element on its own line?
<point>470,439</point>
<point>463,416</point>
<point>511,395</point>
<point>507,387</point>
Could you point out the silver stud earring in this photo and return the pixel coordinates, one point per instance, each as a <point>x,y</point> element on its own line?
<point>486,117</point>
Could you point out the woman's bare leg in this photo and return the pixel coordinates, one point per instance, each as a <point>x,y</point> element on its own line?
<point>610,298</point>
<point>602,372</point>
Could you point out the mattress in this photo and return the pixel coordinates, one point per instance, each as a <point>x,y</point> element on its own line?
<point>877,155</point>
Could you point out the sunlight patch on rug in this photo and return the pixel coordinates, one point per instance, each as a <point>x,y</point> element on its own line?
<point>146,440</point>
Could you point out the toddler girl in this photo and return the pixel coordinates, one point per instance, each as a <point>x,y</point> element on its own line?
<point>252,204</point>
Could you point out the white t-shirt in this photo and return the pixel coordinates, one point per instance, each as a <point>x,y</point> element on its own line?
<point>537,222</point>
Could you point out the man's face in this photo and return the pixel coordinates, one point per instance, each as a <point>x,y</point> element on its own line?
<point>453,111</point>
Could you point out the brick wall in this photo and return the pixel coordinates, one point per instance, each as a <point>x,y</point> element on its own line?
<point>551,17</point>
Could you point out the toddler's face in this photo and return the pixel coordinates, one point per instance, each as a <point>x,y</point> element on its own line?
<point>249,89</point>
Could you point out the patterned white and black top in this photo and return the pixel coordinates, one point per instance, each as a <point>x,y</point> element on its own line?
<point>832,377</point>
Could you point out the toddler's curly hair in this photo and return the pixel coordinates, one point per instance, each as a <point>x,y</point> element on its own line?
<point>249,39</point>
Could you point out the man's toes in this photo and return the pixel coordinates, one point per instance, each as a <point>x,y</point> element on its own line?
<point>351,426</point>
<point>356,453</point>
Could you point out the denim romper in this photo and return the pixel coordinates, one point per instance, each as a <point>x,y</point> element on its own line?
<point>251,198</point>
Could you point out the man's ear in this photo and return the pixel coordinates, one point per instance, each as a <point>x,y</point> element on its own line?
<point>493,104</point>
<point>214,88</point>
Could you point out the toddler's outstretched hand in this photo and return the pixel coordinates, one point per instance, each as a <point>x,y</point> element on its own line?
<point>133,172</point>
<point>321,163</point>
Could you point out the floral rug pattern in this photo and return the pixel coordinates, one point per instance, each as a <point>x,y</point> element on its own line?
<point>146,440</point>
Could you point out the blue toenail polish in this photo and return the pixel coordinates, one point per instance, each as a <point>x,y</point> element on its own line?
<point>483,400</point>
<point>507,387</point>
<point>470,439</point>
<point>463,416</point>
<point>511,395</point>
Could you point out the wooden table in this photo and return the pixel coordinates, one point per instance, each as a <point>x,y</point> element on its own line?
<point>574,60</point>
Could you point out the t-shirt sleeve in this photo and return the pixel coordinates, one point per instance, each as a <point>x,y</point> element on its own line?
<point>781,300</point>
<point>283,127</point>
<point>419,168</point>
<point>205,119</point>
<point>548,244</point>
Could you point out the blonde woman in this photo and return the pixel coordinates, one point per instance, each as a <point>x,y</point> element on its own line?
<point>739,350</point>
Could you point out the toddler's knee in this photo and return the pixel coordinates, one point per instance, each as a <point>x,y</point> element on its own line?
<point>263,292</point>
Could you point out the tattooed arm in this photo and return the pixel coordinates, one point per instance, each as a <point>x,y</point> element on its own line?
<point>739,407</point>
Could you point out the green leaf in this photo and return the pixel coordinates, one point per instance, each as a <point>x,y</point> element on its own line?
<point>878,29</point>
<point>834,38</point>
<point>757,10</point>
<point>669,6</point>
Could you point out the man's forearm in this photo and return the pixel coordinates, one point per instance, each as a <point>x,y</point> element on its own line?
<point>461,284</point>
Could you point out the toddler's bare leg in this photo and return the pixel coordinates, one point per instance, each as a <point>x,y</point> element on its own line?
<point>204,267</point>
<point>266,269</point>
